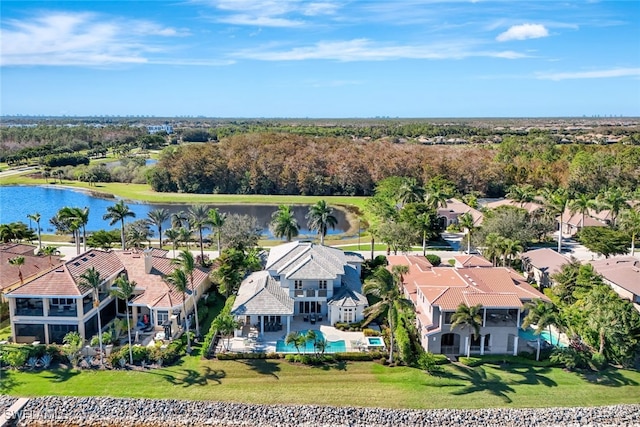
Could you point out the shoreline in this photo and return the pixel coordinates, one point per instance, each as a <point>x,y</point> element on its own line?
<point>105,411</point>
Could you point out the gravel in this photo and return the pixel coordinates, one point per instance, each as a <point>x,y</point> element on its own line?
<point>102,411</point>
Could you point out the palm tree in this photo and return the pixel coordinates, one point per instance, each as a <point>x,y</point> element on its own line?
<point>178,279</point>
<point>399,271</point>
<point>199,220</point>
<point>36,217</point>
<point>521,194</point>
<point>187,263</point>
<point>185,236</point>
<point>466,221</point>
<point>173,235</point>
<point>91,278</point>
<point>295,338</point>
<point>284,223</point>
<point>616,201</point>
<point>468,316</point>
<point>119,212</point>
<point>311,336</point>
<point>217,220</point>
<point>124,290</point>
<point>226,324</point>
<point>18,261</point>
<point>582,204</point>
<point>79,219</point>
<point>179,219</point>
<point>556,203</point>
<point>384,285</point>
<point>493,247</point>
<point>320,219</point>
<point>630,223</point>
<point>410,191</point>
<point>510,249</point>
<point>157,217</point>
<point>69,218</point>
<point>49,251</point>
<point>436,198</point>
<point>542,314</point>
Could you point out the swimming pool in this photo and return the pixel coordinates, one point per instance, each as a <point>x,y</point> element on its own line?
<point>529,335</point>
<point>332,346</point>
<point>375,342</point>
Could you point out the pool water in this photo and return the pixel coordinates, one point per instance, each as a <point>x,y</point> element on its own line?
<point>375,341</point>
<point>529,335</point>
<point>332,346</point>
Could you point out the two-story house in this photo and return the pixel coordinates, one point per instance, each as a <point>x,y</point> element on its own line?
<point>436,293</point>
<point>45,308</point>
<point>622,273</point>
<point>305,279</point>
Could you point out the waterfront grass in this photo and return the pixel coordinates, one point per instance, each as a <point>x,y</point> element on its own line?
<point>143,192</point>
<point>345,384</point>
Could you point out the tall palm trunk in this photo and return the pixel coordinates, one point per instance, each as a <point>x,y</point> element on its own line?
<point>97,305</point>
<point>129,333</point>
<point>186,324</point>
<point>195,307</point>
<point>122,234</point>
<point>390,315</point>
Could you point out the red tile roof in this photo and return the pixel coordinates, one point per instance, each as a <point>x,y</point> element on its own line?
<point>65,279</point>
<point>472,261</point>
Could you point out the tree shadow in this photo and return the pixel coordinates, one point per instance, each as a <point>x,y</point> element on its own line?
<point>608,377</point>
<point>532,375</point>
<point>262,366</point>
<point>339,365</point>
<point>60,374</point>
<point>7,381</point>
<point>482,381</point>
<point>191,377</point>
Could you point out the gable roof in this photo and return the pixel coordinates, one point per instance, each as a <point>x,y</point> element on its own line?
<point>472,261</point>
<point>18,248</point>
<point>261,294</point>
<point>33,267</point>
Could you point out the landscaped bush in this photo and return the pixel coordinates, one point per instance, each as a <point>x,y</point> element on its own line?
<point>211,334</point>
<point>358,356</point>
<point>434,259</point>
<point>598,361</point>
<point>470,361</point>
<point>502,359</point>
<point>240,356</point>
<point>368,332</point>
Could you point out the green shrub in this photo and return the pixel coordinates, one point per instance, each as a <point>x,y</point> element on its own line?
<point>571,358</point>
<point>434,259</point>
<point>598,361</point>
<point>368,332</point>
<point>16,358</point>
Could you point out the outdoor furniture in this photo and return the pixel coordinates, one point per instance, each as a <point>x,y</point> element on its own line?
<point>305,318</point>
<point>319,317</point>
<point>313,319</point>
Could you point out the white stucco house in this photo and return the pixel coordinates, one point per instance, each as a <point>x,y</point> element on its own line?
<point>315,282</point>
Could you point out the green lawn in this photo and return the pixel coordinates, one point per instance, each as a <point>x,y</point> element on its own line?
<point>5,330</point>
<point>351,383</point>
<point>143,192</point>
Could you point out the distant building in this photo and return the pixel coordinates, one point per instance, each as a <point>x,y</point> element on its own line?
<point>159,128</point>
<point>541,264</point>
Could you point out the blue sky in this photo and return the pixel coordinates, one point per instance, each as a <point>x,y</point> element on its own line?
<point>320,58</point>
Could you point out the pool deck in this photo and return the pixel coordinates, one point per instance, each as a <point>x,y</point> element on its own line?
<point>266,342</point>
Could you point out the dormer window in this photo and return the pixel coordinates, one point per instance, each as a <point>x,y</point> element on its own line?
<point>322,284</point>
<point>297,284</point>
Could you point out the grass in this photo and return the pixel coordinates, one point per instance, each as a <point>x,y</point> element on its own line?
<point>353,383</point>
<point>143,192</point>
<point>5,330</point>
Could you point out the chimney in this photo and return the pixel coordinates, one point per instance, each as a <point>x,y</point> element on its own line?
<point>148,261</point>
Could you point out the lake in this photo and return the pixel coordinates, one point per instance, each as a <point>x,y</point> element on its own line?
<point>16,202</point>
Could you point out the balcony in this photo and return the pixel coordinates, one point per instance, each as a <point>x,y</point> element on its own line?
<point>63,311</point>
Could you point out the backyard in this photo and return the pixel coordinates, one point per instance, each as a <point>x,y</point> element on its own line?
<point>342,383</point>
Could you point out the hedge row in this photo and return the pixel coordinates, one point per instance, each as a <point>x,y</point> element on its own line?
<point>213,332</point>
<point>504,359</point>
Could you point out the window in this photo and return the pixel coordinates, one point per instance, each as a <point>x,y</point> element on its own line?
<point>322,284</point>
<point>297,284</point>
<point>447,317</point>
<point>347,315</point>
<point>162,316</point>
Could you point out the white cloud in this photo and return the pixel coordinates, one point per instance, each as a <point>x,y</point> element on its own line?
<point>523,32</point>
<point>271,13</point>
<point>366,50</point>
<point>78,39</point>
<point>596,74</point>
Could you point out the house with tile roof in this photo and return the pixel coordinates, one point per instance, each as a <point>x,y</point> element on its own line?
<point>46,307</point>
<point>302,279</point>
<point>436,293</point>
<point>622,273</point>
<point>454,209</point>
<point>540,264</point>
<point>530,207</point>
<point>34,265</point>
<point>49,306</point>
